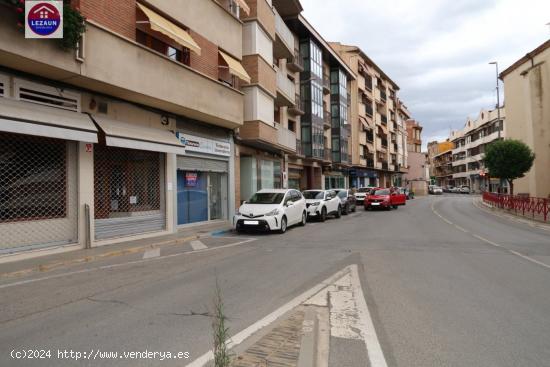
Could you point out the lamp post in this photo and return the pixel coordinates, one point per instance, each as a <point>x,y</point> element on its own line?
<point>498,96</point>
<point>498,117</point>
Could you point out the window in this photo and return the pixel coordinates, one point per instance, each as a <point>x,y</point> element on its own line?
<point>292,125</point>
<point>171,50</point>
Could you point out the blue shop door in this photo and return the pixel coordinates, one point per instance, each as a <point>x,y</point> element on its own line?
<point>192,197</point>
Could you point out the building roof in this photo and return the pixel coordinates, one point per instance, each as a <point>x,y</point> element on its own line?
<point>525,58</point>
<point>370,61</point>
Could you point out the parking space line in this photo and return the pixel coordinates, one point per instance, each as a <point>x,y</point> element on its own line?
<point>198,245</point>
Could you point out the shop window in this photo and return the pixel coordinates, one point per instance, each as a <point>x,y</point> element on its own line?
<point>33,178</point>
<point>192,197</point>
<point>127,182</point>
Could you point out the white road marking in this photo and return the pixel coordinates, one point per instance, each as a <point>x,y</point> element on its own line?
<point>244,334</point>
<point>105,267</point>
<point>198,245</point>
<point>317,295</point>
<point>525,257</point>
<point>149,254</point>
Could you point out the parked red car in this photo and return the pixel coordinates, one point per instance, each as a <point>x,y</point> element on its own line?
<point>398,196</point>
<point>384,198</point>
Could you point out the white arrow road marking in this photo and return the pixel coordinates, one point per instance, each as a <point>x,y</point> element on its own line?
<point>198,245</point>
<point>347,301</point>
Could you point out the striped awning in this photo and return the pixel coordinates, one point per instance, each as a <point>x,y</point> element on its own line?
<point>235,67</point>
<point>169,29</point>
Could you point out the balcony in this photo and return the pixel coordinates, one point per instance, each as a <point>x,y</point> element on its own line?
<point>295,63</point>
<point>283,48</point>
<point>326,85</point>
<point>327,120</point>
<point>298,107</point>
<point>151,79</point>
<point>327,156</point>
<point>264,136</point>
<point>299,148</point>
<point>286,89</point>
<point>370,162</point>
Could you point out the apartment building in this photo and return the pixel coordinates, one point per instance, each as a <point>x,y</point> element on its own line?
<point>273,109</point>
<point>322,155</point>
<point>376,145</point>
<point>417,177</point>
<point>527,99</point>
<point>469,148</point>
<point>126,137</point>
<point>403,115</point>
<point>435,148</point>
<point>443,168</point>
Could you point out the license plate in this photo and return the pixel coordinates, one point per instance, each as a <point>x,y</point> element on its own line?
<point>251,222</point>
<point>375,204</point>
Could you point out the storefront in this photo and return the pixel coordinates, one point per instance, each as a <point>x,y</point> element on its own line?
<point>296,177</point>
<point>203,179</point>
<point>130,178</point>
<point>259,172</point>
<point>39,174</point>
<point>335,179</point>
<point>362,178</point>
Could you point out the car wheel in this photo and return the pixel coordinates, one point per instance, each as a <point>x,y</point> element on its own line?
<point>395,206</point>
<point>388,208</point>
<point>304,219</point>
<point>323,215</point>
<point>338,212</point>
<point>283,225</point>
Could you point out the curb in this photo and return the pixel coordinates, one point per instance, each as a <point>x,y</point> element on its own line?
<point>85,259</point>
<point>480,204</point>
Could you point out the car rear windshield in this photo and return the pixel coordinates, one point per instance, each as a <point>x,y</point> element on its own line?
<point>342,194</point>
<point>266,198</point>
<point>314,194</point>
<point>382,192</point>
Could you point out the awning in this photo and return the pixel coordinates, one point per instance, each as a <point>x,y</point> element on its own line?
<point>164,26</point>
<point>244,6</point>
<point>235,67</point>
<point>32,119</point>
<point>365,123</point>
<point>132,136</point>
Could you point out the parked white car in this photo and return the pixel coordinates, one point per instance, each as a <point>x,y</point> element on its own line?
<point>464,190</point>
<point>271,210</point>
<point>321,203</point>
<point>436,190</point>
<point>361,193</point>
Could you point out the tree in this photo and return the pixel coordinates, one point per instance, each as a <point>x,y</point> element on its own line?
<point>509,160</point>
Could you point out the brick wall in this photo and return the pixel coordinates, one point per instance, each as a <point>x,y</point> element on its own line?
<point>261,73</point>
<point>119,16</point>
<point>207,62</point>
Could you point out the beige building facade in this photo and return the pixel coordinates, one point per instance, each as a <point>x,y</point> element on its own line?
<point>527,100</point>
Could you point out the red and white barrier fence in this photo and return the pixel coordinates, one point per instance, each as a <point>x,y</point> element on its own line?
<point>536,208</point>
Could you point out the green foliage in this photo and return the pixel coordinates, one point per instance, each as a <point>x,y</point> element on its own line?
<point>508,159</point>
<point>222,357</point>
<point>73,27</point>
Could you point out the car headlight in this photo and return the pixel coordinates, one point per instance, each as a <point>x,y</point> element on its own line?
<point>317,203</point>
<point>272,213</point>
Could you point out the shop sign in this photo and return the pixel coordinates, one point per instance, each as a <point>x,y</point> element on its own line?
<point>202,145</point>
<point>191,179</point>
<point>43,19</point>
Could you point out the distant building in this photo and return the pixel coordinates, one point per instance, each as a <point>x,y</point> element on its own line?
<point>435,148</point>
<point>527,95</point>
<point>417,176</point>
<point>469,148</point>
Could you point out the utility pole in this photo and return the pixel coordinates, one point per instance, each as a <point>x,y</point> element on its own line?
<point>498,97</point>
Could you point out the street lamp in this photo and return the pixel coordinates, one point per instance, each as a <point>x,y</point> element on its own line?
<point>498,97</point>
<point>498,114</point>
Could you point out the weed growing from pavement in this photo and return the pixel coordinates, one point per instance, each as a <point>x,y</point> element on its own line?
<point>222,357</point>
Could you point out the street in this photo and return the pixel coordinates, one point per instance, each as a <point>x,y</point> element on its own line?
<point>446,284</point>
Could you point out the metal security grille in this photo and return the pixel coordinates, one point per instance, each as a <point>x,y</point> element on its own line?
<point>37,192</point>
<point>128,191</point>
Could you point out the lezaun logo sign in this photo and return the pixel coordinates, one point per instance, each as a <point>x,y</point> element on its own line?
<point>43,19</point>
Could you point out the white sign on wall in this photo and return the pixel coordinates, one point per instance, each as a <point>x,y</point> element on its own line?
<point>199,144</point>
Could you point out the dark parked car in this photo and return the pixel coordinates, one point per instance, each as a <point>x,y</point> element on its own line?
<point>347,197</point>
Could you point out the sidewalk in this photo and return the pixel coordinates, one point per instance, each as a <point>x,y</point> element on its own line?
<point>480,204</point>
<point>55,261</point>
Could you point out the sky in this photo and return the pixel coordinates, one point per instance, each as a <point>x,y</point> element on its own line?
<point>437,51</point>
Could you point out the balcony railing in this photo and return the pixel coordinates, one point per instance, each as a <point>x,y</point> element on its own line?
<point>327,120</point>
<point>286,138</point>
<point>298,107</point>
<point>299,148</point>
<point>286,87</point>
<point>283,34</point>
<point>295,63</point>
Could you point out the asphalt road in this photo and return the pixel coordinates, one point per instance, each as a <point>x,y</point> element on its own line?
<point>447,284</point>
